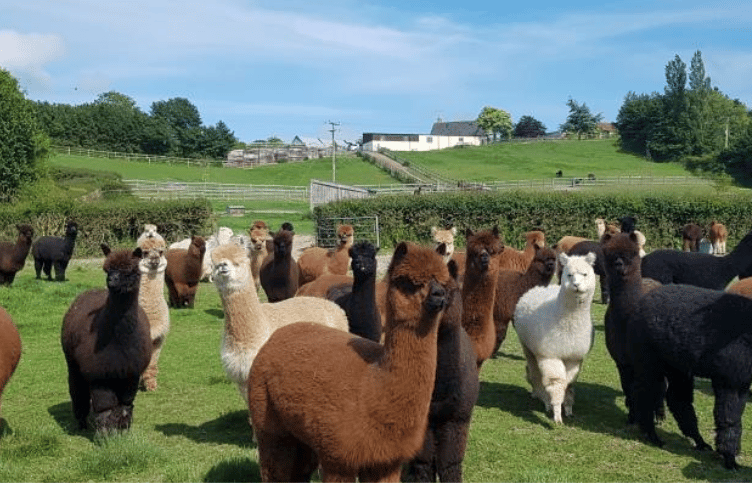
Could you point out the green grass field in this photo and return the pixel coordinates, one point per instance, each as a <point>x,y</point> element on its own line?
<point>194,427</point>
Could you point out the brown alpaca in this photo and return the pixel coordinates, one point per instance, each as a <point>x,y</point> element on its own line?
<point>691,235</point>
<point>183,273</point>
<point>10,349</point>
<point>320,287</point>
<point>718,235</point>
<point>511,285</point>
<point>257,249</point>
<point>479,290</point>
<point>13,255</point>
<point>279,273</point>
<point>357,408</point>
<point>315,261</point>
<point>519,260</point>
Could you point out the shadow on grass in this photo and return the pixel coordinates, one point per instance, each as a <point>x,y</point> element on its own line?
<point>504,355</point>
<point>5,429</point>
<point>230,428</point>
<point>237,469</point>
<point>218,313</point>
<point>62,413</point>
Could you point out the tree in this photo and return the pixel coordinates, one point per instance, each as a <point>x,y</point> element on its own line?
<point>637,119</point>
<point>184,118</point>
<point>218,141</point>
<point>22,144</point>
<point>496,121</point>
<point>529,127</point>
<point>697,79</point>
<point>580,120</point>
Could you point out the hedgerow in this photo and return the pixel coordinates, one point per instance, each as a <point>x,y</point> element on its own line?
<point>659,216</point>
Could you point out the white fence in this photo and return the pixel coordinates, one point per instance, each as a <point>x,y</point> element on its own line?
<point>215,191</point>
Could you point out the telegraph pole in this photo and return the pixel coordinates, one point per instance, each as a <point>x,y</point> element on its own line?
<point>334,151</point>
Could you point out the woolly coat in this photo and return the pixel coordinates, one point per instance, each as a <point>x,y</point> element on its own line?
<point>51,251</point>
<point>151,298</point>
<point>13,255</point>
<point>10,348</point>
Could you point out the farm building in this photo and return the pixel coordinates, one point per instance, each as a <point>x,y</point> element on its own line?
<point>443,135</point>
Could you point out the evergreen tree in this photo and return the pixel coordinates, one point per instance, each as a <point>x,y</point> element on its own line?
<point>580,120</point>
<point>529,127</point>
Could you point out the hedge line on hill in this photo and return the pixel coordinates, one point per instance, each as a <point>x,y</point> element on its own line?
<point>117,223</point>
<point>660,216</point>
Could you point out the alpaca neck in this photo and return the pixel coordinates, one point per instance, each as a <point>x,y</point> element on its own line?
<point>478,294</point>
<point>570,302</point>
<point>21,251</point>
<point>118,319</point>
<point>245,320</point>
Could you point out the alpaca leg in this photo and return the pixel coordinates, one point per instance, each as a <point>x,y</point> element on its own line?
<point>104,404</point>
<point>149,377</point>
<point>648,388</point>
<point>679,397</point>
<point>277,457</point>
<point>626,376</point>
<point>47,268</point>
<point>422,467</point>
<point>59,270</point>
<point>555,382</point>
<point>451,451</point>
<point>573,370</point>
<point>78,388</point>
<point>727,412</point>
<point>534,377</point>
<point>380,474</point>
<point>38,264</point>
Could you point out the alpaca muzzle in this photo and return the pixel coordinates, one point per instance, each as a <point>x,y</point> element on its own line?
<point>437,297</point>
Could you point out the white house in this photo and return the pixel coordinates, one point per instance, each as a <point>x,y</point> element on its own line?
<point>443,135</point>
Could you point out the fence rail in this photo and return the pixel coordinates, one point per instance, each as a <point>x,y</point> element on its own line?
<point>148,158</point>
<point>215,191</point>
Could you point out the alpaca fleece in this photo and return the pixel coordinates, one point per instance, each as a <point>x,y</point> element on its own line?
<point>699,269</point>
<point>357,408</point>
<point>691,235</point>
<point>107,346</point>
<point>280,275</point>
<point>183,273</point>
<point>555,331</point>
<point>321,286</point>
<point>315,261</point>
<point>51,251</point>
<point>151,298</point>
<point>150,234</point>
<point>680,332</point>
<point>718,234</point>
<point>10,349</point>
<point>519,260</point>
<point>13,255</point>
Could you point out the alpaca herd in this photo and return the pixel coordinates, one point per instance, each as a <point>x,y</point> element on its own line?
<point>376,379</point>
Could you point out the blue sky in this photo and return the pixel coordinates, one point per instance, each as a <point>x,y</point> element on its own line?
<point>286,67</point>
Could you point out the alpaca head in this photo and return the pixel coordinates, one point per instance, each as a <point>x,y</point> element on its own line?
<point>483,248</point>
<point>122,269</point>
<point>345,236</point>
<point>258,239</point>
<point>627,224</point>
<point>231,268</point>
<point>197,247</point>
<point>417,282</point>
<point>150,231</point>
<point>259,225</point>
<point>363,259</point>
<point>445,237</point>
<point>223,235</point>
<point>152,257</point>
<point>25,231</point>
<point>621,253</point>
<point>283,244</point>
<point>577,274</point>
<point>536,238</point>
<point>544,262</point>
<point>71,229</point>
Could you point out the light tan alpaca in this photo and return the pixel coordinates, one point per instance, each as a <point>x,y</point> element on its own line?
<point>317,260</point>
<point>718,235</point>
<point>519,260</point>
<point>248,322</point>
<point>447,238</point>
<point>257,249</point>
<point>149,233</point>
<point>151,298</point>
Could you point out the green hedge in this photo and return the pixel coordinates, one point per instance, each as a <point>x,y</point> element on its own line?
<point>660,217</point>
<point>117,223</point>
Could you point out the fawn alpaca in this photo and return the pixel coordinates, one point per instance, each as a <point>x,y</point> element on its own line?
<point>151,299</point>
<point>357,408</point>
<point>316,261</point>
<point>184,272</point>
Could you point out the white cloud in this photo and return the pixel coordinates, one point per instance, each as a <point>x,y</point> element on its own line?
<point>26,55</point>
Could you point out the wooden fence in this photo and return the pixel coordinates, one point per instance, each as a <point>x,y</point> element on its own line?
<point>148,158</point>
<point>215,191</point>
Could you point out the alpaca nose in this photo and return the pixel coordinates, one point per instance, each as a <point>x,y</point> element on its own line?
<point>436,296</point>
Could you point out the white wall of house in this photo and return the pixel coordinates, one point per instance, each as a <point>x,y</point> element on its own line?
<point>425,142</point>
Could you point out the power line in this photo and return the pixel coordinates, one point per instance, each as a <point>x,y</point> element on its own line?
<point>334,150</point>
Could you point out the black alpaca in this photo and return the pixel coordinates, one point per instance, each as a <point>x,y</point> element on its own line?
<point>454,396</point>
<point>52,251</point>
<point>679,332</point>
<point>107,345</point>
<point>13,255</point>
<point>358,300</point>
<point>699,269</point>
<point>621,257</point>
<point>279,271</point>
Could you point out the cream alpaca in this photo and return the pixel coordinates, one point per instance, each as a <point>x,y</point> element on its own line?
<point>248,322</point>
<point>151,299</point>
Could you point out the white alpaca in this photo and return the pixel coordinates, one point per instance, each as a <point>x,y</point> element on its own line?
<point>248,322</point>
<point>150,233</point>
<point>555,331</point>
<point>151,298</point>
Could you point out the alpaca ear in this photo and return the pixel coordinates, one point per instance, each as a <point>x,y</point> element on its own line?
<point>105,249</point>
<point>468,232</point>
<point>399,253</point>
<point>495,231</point>
<point>563,259</point>
<point>606,237</point>
<point>454,231</point>
<point>590,258</point>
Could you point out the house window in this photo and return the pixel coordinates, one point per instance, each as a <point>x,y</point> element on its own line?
<point>429,139</point>
<point>461,140</point>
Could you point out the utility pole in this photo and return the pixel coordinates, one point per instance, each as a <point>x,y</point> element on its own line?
<point>334,151</point>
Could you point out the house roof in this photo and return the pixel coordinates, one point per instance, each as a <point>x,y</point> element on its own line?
<point>607,126</point>
<point>457,128</point>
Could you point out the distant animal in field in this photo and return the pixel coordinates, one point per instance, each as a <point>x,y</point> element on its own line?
<point>718,234</point>
<point>13,255</point>
<point>54,252</point>
<point>107,346</point>
<point>445,237</point>
<point>150,233</point>
<point>279,274</point>
<point>183,273</point>
<point>316,261</point>
<point>257,249</point>
<point>691,236</point>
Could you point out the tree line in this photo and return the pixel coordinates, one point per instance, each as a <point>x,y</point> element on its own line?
<point>113,122</point>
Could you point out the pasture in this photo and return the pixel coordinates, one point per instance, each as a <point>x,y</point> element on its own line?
<point>194,427</point>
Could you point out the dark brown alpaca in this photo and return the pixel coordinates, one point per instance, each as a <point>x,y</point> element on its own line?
<point>357,408</point>
<point>511,285</point>
<point>183,273</point>
<point>107,345</point>
<point>10,348</point>
<point>13,255</point>
<point>691,235</point>
<point>316,261</point>
<point>279,272</point>
<point>479,290</point>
